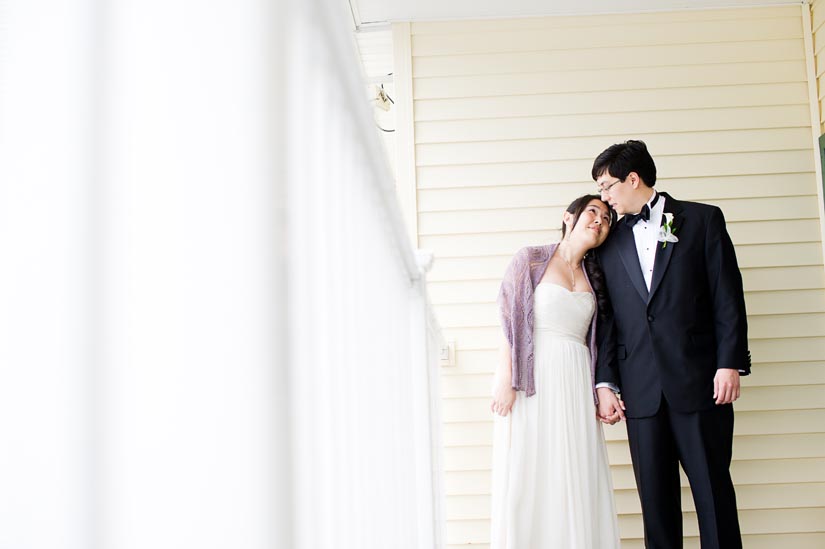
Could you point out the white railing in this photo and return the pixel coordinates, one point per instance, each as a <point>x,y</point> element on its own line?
<point>213,331</point>
<point>362,339</point>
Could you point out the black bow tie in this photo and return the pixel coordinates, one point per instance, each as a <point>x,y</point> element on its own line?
<point>632,219</point>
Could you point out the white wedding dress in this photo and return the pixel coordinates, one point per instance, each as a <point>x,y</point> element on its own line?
<point>551,480</point>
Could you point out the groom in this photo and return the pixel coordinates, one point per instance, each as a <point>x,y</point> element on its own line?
<point>675,349</point>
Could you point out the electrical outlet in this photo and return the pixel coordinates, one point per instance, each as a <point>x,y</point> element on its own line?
<point>446,354</point>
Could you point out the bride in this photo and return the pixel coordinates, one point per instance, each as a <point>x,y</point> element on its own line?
<point>551,479</point>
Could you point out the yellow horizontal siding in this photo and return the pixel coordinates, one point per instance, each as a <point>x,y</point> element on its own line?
<point>817,15</point>
<point>650,33</point>
<point>555,22</point>
<point>508,116</point>
<point>766,496</point>
<point>752,521</point>
<point>480,174</point>
<point>605,103</point>
<point>814,540</point>
<point>667,144</point>
<point>602,124</point>
<point>722,74</point>
<point>766,541</point>
<point>783,526</point>
<point>621,57</point>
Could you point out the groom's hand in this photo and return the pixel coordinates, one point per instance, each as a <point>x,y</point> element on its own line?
<point>611,407</point>
<point>726,385</point>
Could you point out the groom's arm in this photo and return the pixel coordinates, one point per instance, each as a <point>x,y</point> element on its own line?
<point>607,367</point>
<point>727,297</point>
<point>610,407</point>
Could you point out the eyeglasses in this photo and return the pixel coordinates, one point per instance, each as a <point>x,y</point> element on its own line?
<point>603,189</point>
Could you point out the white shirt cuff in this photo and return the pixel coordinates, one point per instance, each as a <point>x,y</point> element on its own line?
<point>609,386</point>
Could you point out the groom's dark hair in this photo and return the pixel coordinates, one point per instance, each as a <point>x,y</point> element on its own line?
<point>622,158</point>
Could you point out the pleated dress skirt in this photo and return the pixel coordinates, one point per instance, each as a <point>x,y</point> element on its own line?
<point>551,485</point>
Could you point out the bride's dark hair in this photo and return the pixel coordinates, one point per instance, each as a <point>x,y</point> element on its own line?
<point>591,262</point>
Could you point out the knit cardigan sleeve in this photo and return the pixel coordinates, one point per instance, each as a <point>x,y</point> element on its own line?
<point>514,295</point>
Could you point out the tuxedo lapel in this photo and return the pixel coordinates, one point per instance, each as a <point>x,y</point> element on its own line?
<point>663,254</point>
<point>630,258</point>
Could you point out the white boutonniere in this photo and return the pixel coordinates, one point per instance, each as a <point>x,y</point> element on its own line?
<point>666,231</point>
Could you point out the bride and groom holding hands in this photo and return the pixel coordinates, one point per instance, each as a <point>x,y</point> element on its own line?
<point>640,319</point>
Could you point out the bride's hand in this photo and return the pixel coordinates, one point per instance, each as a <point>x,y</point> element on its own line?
<point>504,396</point>
<point>611,407</point>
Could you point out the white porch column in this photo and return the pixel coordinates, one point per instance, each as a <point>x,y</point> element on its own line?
<point>46,256</point>
<point>142,389</point>
<point>192,408</point>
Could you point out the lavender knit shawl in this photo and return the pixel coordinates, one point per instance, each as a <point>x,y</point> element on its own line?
<point>515,301</point>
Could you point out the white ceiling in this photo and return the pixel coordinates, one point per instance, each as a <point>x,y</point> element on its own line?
<point>381,11</point>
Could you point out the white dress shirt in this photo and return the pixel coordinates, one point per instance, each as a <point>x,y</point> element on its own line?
<point>646,235</point>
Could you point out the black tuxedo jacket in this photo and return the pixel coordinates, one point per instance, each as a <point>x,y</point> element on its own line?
<point>672,339</point>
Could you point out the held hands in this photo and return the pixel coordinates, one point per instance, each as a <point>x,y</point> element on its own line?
<point>611,407</point>
<point>726,385</point>
<point>503,398</point>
